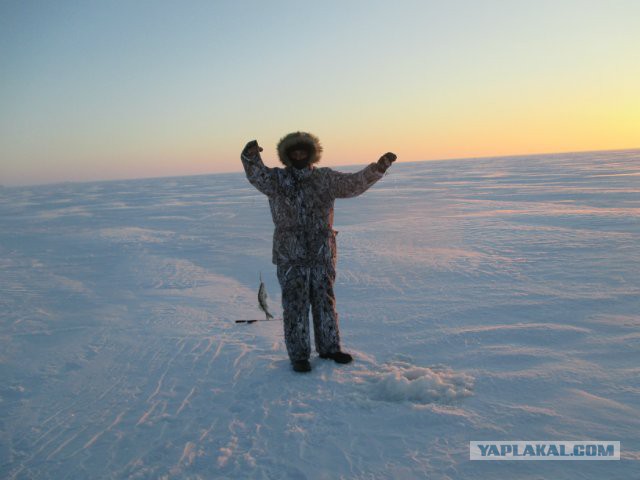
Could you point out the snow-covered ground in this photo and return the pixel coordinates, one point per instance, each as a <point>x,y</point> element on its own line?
<point>488,299</point>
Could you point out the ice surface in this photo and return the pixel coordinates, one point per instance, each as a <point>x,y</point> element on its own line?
<point>482,299</point>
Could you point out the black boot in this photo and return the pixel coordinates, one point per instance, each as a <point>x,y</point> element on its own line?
<point>338,357</point>
<point>301,366</point>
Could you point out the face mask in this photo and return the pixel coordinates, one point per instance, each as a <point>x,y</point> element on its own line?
<point>299,158</point>
<point>300,164</point>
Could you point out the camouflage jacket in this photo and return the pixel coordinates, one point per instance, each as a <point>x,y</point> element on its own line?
<point>301,203</point>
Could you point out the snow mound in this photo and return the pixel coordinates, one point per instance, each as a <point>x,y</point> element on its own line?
<point>406,382</point>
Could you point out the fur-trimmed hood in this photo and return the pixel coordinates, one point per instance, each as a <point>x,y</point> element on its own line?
<point>307,140</point>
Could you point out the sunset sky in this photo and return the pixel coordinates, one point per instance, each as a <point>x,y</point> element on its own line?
<point>125,89</point>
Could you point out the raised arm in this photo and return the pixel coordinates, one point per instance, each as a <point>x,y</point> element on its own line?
<point>346,185</point>
<point>258,174</point>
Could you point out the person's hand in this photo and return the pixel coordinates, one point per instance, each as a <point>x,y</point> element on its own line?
<point>385,161</point>
<point>251,149</point>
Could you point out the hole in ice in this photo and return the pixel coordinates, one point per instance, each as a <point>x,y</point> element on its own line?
<point>405,382</point>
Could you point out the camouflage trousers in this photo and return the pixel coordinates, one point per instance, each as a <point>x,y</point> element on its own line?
<point>304,287</point>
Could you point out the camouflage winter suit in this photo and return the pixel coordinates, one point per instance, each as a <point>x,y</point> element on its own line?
<point>304,242</point>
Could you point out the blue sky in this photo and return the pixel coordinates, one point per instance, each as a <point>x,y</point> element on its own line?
<point>115,89</point>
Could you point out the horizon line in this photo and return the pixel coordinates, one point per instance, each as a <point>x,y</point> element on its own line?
<point>158,177</point>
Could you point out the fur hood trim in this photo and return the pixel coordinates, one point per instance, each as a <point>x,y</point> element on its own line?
<point>299,138</point>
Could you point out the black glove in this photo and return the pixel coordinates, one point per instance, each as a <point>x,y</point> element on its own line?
<point>251,149</point>
<point>385,161</point>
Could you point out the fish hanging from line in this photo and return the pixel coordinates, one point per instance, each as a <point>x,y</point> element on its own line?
<point>262,299</point>
<point>262,303</point>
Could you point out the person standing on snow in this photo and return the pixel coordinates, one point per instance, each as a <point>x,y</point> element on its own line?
<point>301,199</point>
